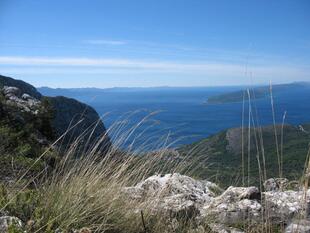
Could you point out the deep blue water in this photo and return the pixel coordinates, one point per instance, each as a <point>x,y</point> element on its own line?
<point>184,115</point>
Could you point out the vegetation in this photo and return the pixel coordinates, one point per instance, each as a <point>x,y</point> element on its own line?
<point>24,136</point>
<point>85,188</point>
<point>89,192</point>
<point>219,158</point>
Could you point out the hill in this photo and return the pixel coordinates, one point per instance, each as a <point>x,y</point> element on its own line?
<point>256,93</point>
<point>220,156</point>
<point>30,123</point>
<point>23,86</point>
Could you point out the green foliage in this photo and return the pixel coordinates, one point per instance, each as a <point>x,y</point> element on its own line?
<point>21,134</point>
<point>23,204</point>
<point>45,117</point>
<point>216,162</point>
<point>13,228</point>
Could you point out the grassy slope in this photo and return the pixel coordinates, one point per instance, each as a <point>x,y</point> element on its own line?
<point>219,162</point>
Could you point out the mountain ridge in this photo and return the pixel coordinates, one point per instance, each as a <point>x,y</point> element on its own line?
<point>254,93</point>
<point>30,123</point>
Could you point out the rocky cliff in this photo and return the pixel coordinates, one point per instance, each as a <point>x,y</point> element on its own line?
<point>69,112</point>
<point>21,85</point>
<point>30,122</point>
<point>66,112</point>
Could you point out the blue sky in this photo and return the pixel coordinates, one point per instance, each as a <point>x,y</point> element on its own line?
<point>107,43</point>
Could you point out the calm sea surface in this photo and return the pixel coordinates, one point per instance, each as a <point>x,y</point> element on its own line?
<point>182,115</point>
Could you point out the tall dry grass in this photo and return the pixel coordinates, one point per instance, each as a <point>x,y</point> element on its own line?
<point>86,188</point>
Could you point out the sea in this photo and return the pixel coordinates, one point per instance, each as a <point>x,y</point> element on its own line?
<point>152,118</point>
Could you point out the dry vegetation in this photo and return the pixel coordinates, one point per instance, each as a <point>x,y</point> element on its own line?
<point>86,189</point>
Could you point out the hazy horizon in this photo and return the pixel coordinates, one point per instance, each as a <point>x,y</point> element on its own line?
<point>145,87</point>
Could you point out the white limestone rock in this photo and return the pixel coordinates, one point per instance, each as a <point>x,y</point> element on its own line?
<point>298,226</point>
<point>235,205</point>
<point>7,221</point>
<point>174,193</point>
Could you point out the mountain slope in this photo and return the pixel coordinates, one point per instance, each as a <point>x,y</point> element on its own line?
<point>220,156</point>
<point>30,123</point>
<point>69,112</point>
<point>25,133</point>
<point>23,86</point>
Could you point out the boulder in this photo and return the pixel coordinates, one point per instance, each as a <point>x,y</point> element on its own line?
<point>235,205</point>
<point>21,85</point>
<point>7,221</point>
<point>284,206</point>
<point>26,97</point>
<point>275,184</point>
<point>11,91</point>
<point>173,193</point>
<point>298,226</point>
<point>184,196</point>
<point>25,102</point>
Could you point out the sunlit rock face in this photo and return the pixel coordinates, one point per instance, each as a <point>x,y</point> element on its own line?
<point>7,221</point>
<point>26,103</point>
<point>275,184</point>
<point>298,226</point>
<point>235,205</point>
<point>206,202</point>
<point>174,193</point>
<point>21,85</point>
<point>283,206</point>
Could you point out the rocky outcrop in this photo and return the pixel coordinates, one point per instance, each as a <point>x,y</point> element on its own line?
<point>15,97</point>
<point>204,201</point>
<point>298,226</point>
<point>181,198</point>
<point>284,206</point>
<point>276,184</point>
<point>7,222</point>
<point>236,205</point>
<point>21,85</point>
<point>174,193</point>
<point>66,113</point>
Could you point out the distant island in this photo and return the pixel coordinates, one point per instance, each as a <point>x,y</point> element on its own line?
<point>254,93</point>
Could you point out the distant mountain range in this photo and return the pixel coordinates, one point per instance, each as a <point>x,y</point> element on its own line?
<point>231,94</point>
<point>48,91</point>
<point>256,93</point>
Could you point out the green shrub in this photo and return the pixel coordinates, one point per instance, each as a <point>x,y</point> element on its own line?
<point>23,204</point>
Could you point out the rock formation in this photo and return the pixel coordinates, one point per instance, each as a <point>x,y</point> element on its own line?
<point>204,201</point>
<point>26,103</point>
<point>66,113</point>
